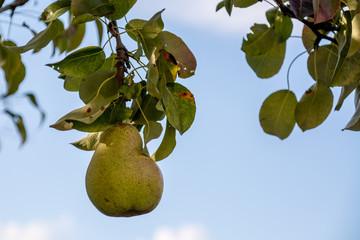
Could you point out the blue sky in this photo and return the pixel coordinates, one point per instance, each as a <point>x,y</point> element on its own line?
<point>226,179</point>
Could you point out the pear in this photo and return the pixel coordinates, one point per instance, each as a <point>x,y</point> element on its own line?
<point>120,181</point>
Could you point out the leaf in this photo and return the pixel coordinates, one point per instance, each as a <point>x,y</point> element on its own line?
<point>176,47</point>
<point>100,30</point>
<point>321,63</point>
<point>355,38</point>
<point>55,10</point>
<point>133,28</point>
<point>277,113</point>
<point>33,101</point>
<point>121,8</point>
<point>179,106</point>
<point>354,123</point>
<point>103,80</point>
<point>75,36</point>
<point>349,73</point>
<point>167,145</point>
<point>81,63</point>
<point>345,92</point>
<point>153,27</point>
<point>314,106</point>
<point>13,79</point>
<point>153,77</point>
<point>268,63</point>
<point>228,6</point>
<point>325,9</point>
<point>148,106</point>
<point>260,41</point>
<point>72,84</point>
<point>344,43</point>
<point>244,3</point>
<point>42,39</point>
<point>152,131</point>
<point>302,8</point>
<point>283,27</point>
<point>220,5</point>
<point>88,143</point>
<point>93,7</point>
<point>308,38</point>
<point>19,123</point>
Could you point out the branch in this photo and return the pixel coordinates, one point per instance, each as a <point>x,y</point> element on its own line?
<point>122,54</point>
<point>314,28</point>
<point>13,5</point>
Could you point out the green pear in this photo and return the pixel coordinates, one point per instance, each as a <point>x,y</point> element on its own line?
<point>120,181</point>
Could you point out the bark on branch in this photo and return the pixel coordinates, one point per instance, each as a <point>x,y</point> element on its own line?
<point>122,54</point>
<point>13,5</point>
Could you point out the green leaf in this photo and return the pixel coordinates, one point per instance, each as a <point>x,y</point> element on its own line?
<point>153,77</point>
<point>81,63</point>
<point>72,84</point>
<point>19,123</point>
<point>268,63</point>
<point>167,145</point>
<point>260,41</point>
<point>33,101</point>
<point>344,43</point>
<point>176,47</point>
<point>93,7</point>
<point>349,73</point>
<point>345,92</point>
<point>322,62</point>
<point>179,106</point>
<point>152,131</point>
<point>355,38</point>
<point>88,143</point>
<point>220,5</point>
<point>134,27</point>
<point>100,80</point>
<point>228,6</point>
<point>100,30</point>
<point>283,26</point>
<point>153,27</point>
<point>55,10</point>
<point>42,39</point>
<point>314,106</point>
<point>244,3</point>
<point>354,123</point>
<point>148,107</point>
<point>75,35</point>
<point>121,8</point>
<point>308,38</point>
<point>277,113</point>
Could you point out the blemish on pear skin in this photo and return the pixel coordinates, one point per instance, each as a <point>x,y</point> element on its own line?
<point>309,91</point>
<point>187,95</point>
<point>102,108</point>
<point>88,110</point>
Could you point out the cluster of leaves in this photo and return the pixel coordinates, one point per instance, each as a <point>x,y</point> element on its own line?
<point>332,64</point>
<point>143,96</point>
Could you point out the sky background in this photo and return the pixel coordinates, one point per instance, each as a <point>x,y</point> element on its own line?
<point>226,179</point>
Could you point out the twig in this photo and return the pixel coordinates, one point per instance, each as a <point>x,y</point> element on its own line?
<point>13,5</point>
<point>122,55</point>
<point>314,28</point>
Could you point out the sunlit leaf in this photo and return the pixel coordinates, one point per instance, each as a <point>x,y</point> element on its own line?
<point>179,106</point>
<point>90,85</point>
<point>72,84</point>
<point>308,38</point>
<point>167,145</point>
<point>81,62</point>
<point>260,41</point>
<point>314,106</point>
<point>42,39</point>
<point>75,35</point>
<point>133,28</point>
<point>355,37</point>
<point>88,143</point>
<point>277,113</point>
<point>268,63</point>
<point>148,107</point>
<point>55,10</point>
<point>153,27</point>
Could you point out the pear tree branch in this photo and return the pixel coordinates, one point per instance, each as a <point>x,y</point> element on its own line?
<point>13,5</point>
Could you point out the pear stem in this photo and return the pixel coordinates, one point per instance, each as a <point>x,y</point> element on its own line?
<point>122,54</point>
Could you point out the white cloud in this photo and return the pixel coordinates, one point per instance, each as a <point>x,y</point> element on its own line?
<point>201,14</point>
<point>35,230</point>
<point>185,232</point>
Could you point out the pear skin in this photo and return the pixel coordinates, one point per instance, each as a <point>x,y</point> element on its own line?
<point>120,181</point>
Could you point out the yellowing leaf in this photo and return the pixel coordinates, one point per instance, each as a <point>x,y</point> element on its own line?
<point>314,106</point>
<point>277,114</point>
